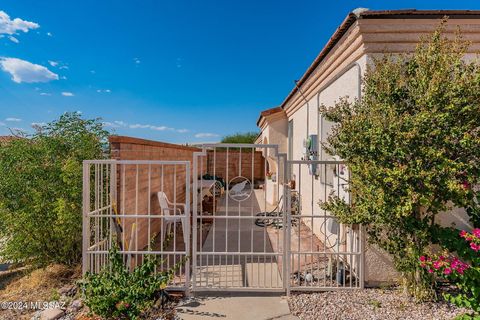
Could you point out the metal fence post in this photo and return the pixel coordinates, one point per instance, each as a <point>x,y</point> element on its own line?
<point>85,218</point>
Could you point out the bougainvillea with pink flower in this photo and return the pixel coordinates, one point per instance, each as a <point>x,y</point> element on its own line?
<point>443,265</point>
<point>472,238</point>
<point>464,275</point>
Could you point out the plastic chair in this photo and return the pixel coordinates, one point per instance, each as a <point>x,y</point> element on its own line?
<point>167,210</point>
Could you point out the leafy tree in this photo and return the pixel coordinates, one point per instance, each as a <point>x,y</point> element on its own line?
<point>247,137</point>
<point>412,144</point>
<point>41,190</point>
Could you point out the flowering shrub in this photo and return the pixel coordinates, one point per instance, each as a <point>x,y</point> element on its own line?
<point>411,144</point>
<point>447,266</point>
<point>465,276</point>
<point>473,238</point>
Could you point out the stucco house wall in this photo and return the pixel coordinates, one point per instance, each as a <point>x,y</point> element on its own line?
<point>337,73</point>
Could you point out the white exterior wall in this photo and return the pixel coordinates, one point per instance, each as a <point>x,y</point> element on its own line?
<point>275,132</point>
<point>378,265</point>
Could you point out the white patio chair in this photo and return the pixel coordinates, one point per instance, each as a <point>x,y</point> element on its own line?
<point>167,209</point>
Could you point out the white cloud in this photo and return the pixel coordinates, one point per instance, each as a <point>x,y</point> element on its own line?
<point>8,26</point>
<point>182,130</point>
<point>63,67</point>
<point>53,63</point>
<point>149,126</point>
<point>13,39</point>
<point>136,60</point>
<point>110,124</point>
<point>67,94</point>
<point>38,124</point>
<point>104,90</point>
<point>93,71</point>
<point>206,135</point>
<point>24,71</point>
<point>2,124</point>
<point>49,34</point>
<point>45,94</point>
<point>120,123</point>
<point>13,119</point>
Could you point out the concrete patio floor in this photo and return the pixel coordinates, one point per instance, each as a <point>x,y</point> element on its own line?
<point>235,307</point>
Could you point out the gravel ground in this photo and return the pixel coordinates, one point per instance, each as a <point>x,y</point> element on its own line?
<point>367,304</point>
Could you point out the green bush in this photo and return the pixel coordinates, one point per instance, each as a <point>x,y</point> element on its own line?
<point>247,137</point>
<point>412,144</point>
<point>41,190</point>
<point>116,292</point>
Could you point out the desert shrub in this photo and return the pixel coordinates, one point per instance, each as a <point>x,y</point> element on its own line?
<point>41,190</point>
<point>247,137</point>
<point>117,292</point>
<point>412,144</point>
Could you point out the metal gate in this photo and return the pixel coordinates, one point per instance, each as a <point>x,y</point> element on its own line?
<point>258,225</point>
<point>143,209</point>
<point>255,223</point>
<point>323,254</point>
<point>233,184</point>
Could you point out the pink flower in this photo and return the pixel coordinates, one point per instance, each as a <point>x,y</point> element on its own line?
<point>422,258</point>
<point>447,271</point>
<point>437,265</point>
<point>476,233</point>
<point>430,270</point>
<point>455,263</point>
<point>463,233</point>
<point>475,247</point>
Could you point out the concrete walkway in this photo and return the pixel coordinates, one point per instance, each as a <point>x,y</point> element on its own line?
<point>234,306</point>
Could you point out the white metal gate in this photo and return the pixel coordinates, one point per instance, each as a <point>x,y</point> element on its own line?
<point>230,189</point>
<point>246,219</point>
<point>323,254</point>
<point>142,208</point>
<point>269,233</point>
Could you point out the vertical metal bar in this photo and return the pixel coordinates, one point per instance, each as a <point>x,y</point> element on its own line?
<point>195,208</point>
<point>227,207</point>
<point>214,199</point>
<point>362,257</point>
<point>86,221</point>
<point>287,194</point>
<point>251,214</point>
<point>330,257</point>
<point>149,206</point>
<point>299,220</point>
<point>124,240</point>
<point>187,225</point>
<point>136,210</point>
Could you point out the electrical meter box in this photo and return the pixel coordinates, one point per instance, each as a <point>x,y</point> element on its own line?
<point>311,152</point>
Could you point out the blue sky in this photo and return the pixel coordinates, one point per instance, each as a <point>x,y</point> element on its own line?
<point>177,71</point>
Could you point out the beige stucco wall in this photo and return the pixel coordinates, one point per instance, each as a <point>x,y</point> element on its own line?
<point>307,120</point>
<point>274,131</point>
<point>337,76</point>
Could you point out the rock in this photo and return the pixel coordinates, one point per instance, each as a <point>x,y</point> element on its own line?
<point>51,314</point>
<point>68,290</point>
<point>76,305</point>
